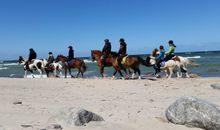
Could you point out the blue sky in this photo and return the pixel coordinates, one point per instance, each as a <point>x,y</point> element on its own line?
<point>53,25</point>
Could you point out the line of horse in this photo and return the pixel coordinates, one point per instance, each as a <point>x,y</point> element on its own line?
<point>130,64</point>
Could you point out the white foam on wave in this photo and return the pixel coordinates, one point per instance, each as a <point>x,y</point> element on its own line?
<point>10,64</point>
<point>193,57</point>
<point>3,68</point>
<point>88,61</point>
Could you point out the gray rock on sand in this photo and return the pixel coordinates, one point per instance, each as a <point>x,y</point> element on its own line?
<point>194,112</point>
<point>216,85</point>
<point>70,117</point>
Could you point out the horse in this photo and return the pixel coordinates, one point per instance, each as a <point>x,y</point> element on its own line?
<point>34,65</point>
<point>74,63</point>
<point>96,56</point>
<point>130,62</point>
<point>169,66</point>
<point>53,67</point>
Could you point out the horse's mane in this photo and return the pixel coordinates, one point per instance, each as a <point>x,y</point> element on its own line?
<point>114,54</point>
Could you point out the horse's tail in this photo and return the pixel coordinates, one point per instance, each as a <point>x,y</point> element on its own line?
<point>142,61</point>
<point>191,62</point>
<point>83,67</point>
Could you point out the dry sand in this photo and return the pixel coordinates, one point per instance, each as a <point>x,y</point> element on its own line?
<point>124,104</point>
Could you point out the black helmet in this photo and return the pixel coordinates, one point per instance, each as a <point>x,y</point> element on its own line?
<point>70,47</point>
<point>122,40</point>
<point>106,40</point>
<point>31,49</point>
<point>170,41</point>
<point>50,53</point>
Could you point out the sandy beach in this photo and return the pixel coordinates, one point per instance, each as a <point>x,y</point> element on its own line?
<point>124,104</point>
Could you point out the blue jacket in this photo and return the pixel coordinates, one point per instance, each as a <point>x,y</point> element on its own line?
<point>161,55</point>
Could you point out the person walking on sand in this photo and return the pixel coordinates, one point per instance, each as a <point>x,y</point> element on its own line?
<point>122,51</point>
<point>170,52</point>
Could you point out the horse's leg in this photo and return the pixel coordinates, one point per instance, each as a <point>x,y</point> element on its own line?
<point>139,73</point>
<point>77,75</point>
<point>171,72</point>
<point>121,74</point>
<point>32,73</point>
<point>82,74</point>
<point>101,71</point>
<point>133,74</point>
<point>39,70</point>
<point>25,74</point>
<point>70,72</point>
<point>65,71</point>
<point>113,76</point>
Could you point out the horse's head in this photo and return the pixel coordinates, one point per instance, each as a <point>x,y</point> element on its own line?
<point>150,60</point>
<point>114,54</point>
<point>61,58</point>
<point>95,55</point>
<point>21,60</point>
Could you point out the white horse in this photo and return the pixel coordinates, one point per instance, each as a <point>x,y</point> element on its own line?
<point>53,67</point>
<point>169,67</point>
<point>177,63</point>
<point>34,65</point>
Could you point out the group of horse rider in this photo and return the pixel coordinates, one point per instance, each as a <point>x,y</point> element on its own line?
<point>160,56</point>
<point>50,59</point>
<point>122,52</point>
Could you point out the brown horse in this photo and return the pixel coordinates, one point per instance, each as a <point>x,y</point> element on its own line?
<point>110,61</point>
<point>131,62</point>
<point>75,63</point>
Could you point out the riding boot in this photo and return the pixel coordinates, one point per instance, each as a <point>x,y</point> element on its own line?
<point>27,65</point>
<point>120,64</point>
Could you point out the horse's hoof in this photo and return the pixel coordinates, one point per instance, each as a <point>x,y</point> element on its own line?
<point>139,77</point>
<point>113,78</point>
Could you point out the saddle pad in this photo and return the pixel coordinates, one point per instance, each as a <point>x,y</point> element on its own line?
<point>124,59</point>
<point>162,64</point>
<point>70,62</point>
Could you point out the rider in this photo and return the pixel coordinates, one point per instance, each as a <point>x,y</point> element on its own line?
<point>32,55</point>
<point>160,57</point>
<point>106,50</point>
<point>71,53</point>
<point>170,52</point>
<point>122,51</point>
<point>50,59</point>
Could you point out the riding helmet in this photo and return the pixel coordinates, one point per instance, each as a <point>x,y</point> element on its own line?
<point>122,40</point>
<point>106,40</point>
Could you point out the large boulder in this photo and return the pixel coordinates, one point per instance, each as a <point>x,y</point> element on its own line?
<point>216,85</point>
<point>70,117</point>
<point>194,112</point>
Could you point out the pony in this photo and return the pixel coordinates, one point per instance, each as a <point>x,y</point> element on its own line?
<point>74,63</point>
<point>130,62</point>
<point>169,67</point>
<point>53,67</point>
<point>34,65</point>
<point>178,63</point>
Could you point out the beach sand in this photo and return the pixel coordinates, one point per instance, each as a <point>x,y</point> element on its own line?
<point>124,104</point>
